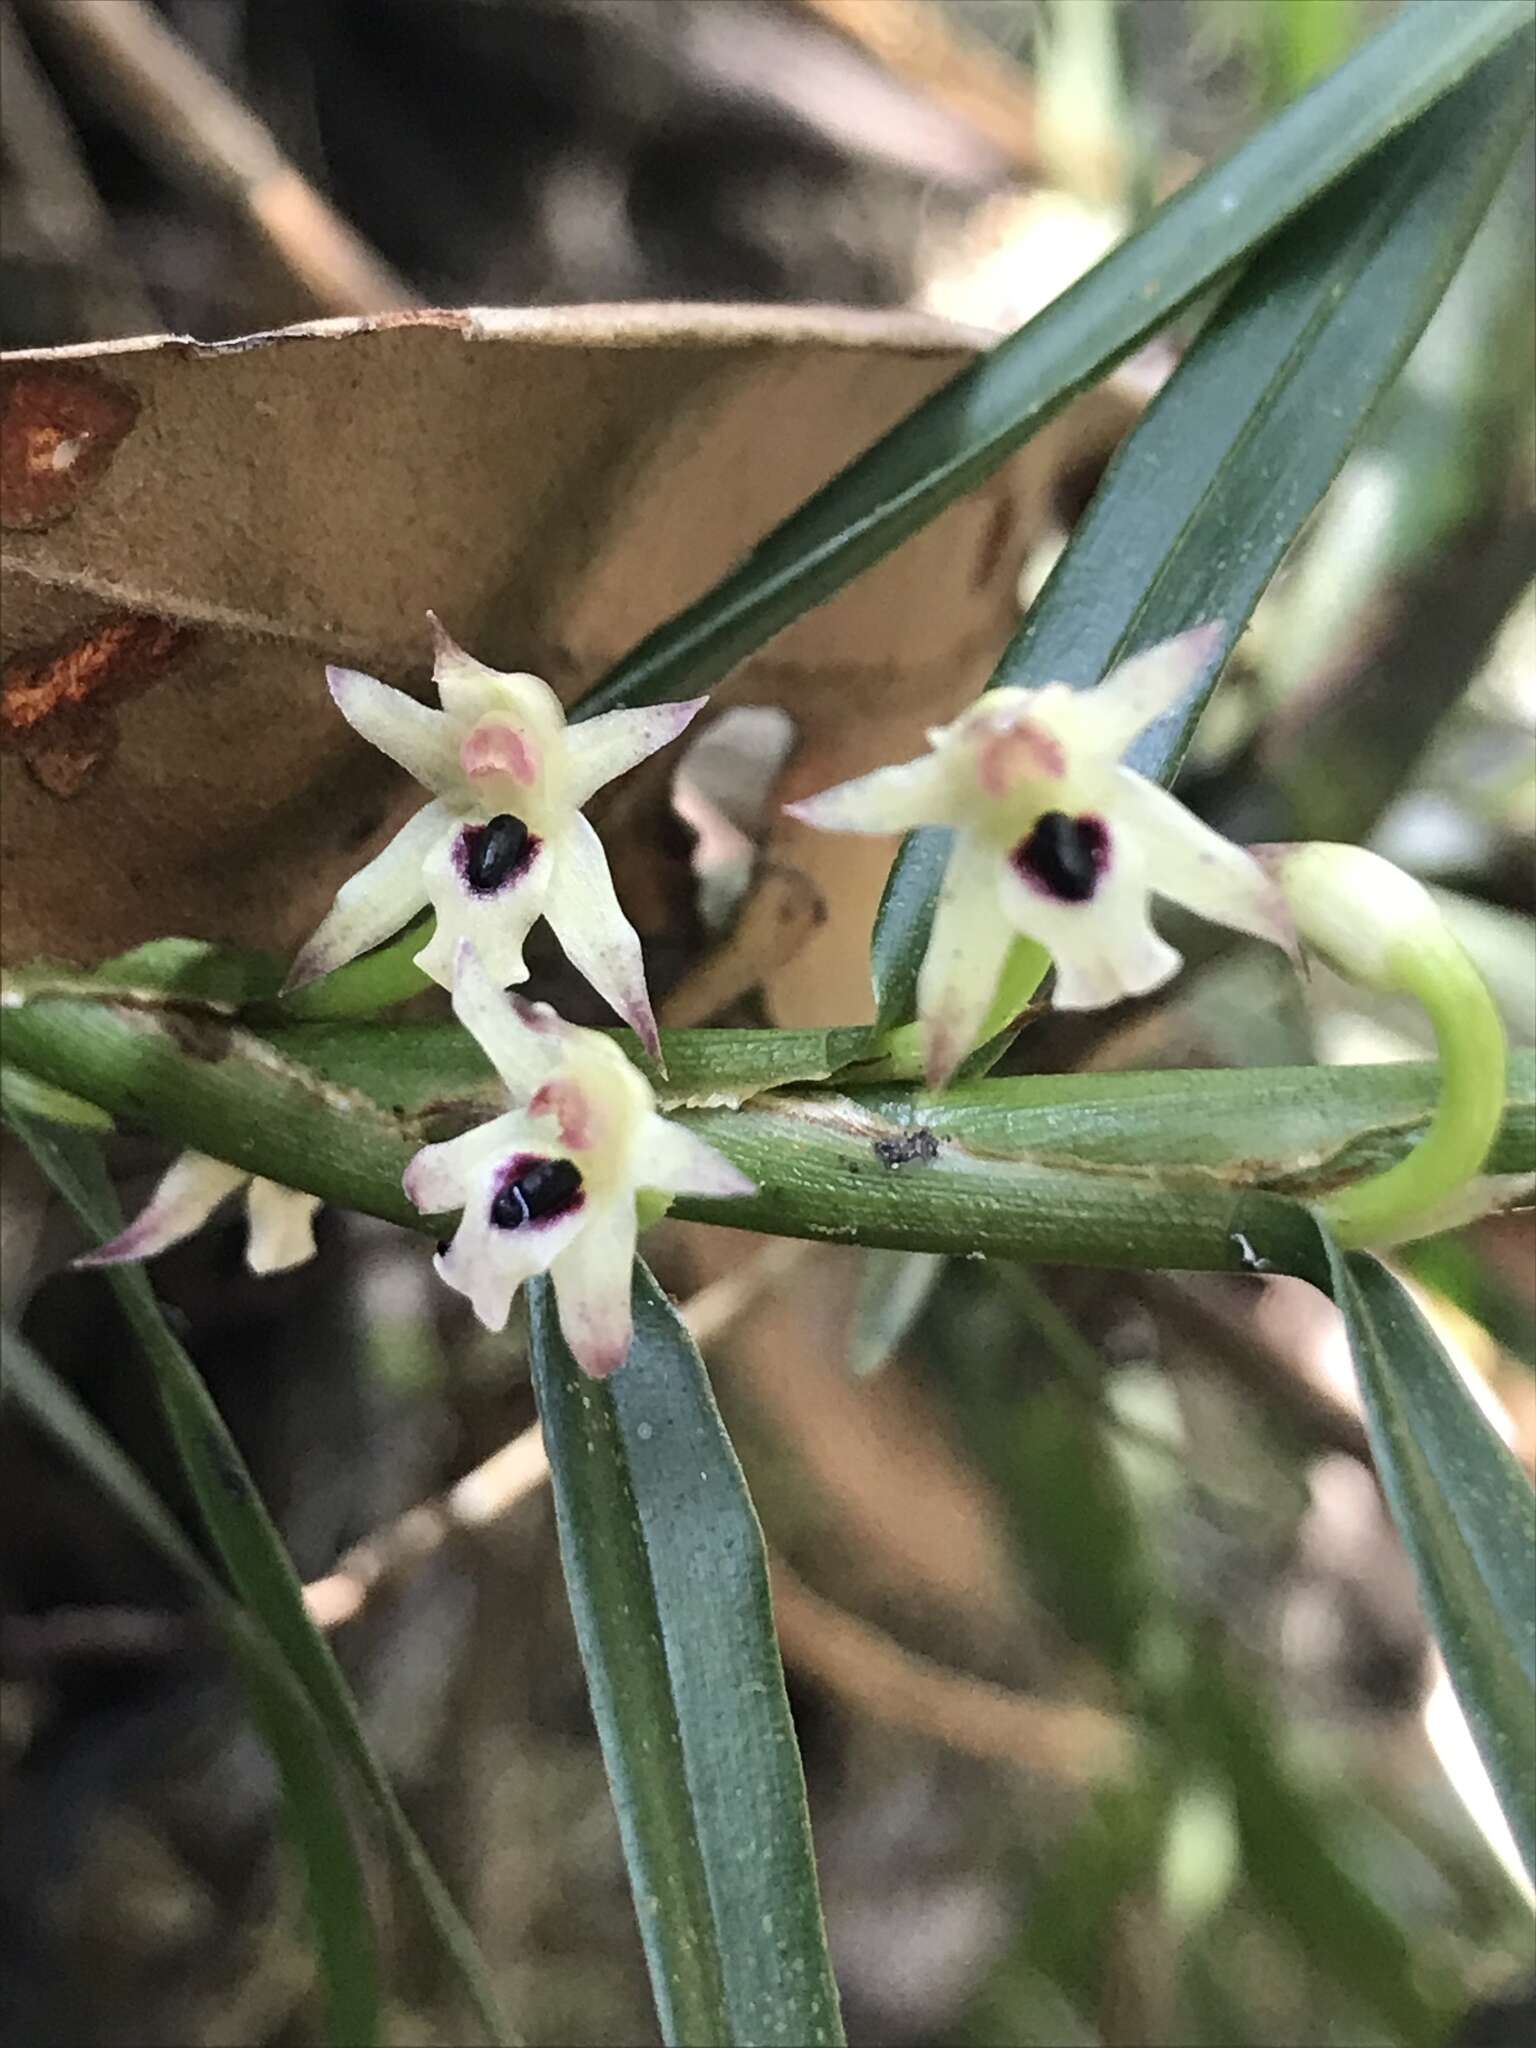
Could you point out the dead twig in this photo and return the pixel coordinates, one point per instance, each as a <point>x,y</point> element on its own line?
<point>878,1676</point>
<point>192,124</point>
<point>58,196</point>
<point>916,42</point>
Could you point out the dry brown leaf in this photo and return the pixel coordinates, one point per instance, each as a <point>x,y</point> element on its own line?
<point>193,530</point>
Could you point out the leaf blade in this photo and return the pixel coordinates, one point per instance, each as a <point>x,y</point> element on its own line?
<point>1467,1516</point>
<point>1205,497</point>
<point>249,1545</point>
<point>969,427</point>
<point>314,1817</point>
<point>669,1588</point>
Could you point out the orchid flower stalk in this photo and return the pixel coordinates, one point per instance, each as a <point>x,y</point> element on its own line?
<point>1056,841</point>
<point>1383,930</point>
<point>504,840</point>
<point>282,1220</point>
<point>555,1184</point>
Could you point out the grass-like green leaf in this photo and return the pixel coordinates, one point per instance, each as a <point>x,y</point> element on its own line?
<point>313,1813</point>
<point>1203,500</point>
<point>669,1587</point>
<point>1291,1859</point>
<point>967,429</point>
<point>1468,1516</point>
<point>246,1541</point>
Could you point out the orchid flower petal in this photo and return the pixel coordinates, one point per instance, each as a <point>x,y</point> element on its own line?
<point>189,1191</point>
<point>524,1042</point>
<point>441,1177</point>
<point>469,690</point>
<point>675,1160</point>
<point>1139,692</point>
<point>966,951</point>
<point>498,921</point>
<point>595,935</point>
<point>282,1227</point>
<point>894,799</point>
<point>553,1185</point>
<point>377,901</point>
<point>601,748</point>
<point>593,1277</point>
<point>1192,865</point>
<point>1104,949</point>
<point>422,741</point>
<point>488,1264</point>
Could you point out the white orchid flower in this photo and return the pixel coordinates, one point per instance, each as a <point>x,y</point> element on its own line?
<point>551,1186</point>
<point>282,1220</point>
<point>503,841</point>
<point>1057,842</point>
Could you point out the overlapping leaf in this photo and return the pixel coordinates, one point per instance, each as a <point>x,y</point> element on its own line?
<point>669,1587</point>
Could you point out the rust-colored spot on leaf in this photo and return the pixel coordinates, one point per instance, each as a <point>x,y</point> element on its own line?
<point>59,430</point>
<point>56,703</point>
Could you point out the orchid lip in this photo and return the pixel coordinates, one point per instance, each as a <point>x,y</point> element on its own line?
<point>1064,856</point>
<point>534,1191</point>
<point>488,856</point>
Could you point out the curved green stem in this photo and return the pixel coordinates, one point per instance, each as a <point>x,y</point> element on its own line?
<point>1434,1186</point>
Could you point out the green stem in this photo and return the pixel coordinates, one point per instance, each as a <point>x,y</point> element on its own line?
<point>1434,1185</point>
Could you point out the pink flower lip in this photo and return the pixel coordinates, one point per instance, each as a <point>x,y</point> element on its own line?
<point>500,750</point>
<point>567,1102</point>
<point>1017,752</point>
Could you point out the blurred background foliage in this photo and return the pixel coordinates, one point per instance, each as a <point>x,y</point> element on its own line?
<point>1120,1719</point>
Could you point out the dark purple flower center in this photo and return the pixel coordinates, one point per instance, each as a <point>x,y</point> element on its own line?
<point>491,852</point>
<point>543,1187</point>
<point>1064,856</point>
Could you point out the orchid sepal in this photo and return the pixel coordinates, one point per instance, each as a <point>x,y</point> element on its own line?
<point>1056,841</point>
<point>503,841</point>
<point>281,1228</point>
<point>557,1184</point>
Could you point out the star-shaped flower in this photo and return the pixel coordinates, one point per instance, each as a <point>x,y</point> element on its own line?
<point>282,1220</point>
<point>503,841</point>
<point>551,1186</point>
<point>1057,842</point>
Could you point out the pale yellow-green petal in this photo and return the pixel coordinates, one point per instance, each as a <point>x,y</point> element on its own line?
<point>593,1276</point>
<point>966,950</point>
<point>378,900</point>
<point>421,740</point>
<point>600,748</point>
<point>1138,692</point>
<point>1103,950</point>
<point>523,1054</point>
<point>496,922</point>
<point>894,799</point>
<point>441,1176</point>
<point>594,934</point>
<point>671,1157</point>
<point>1191,864</point>
<point>188,1192</point>
<point>282,1227</point>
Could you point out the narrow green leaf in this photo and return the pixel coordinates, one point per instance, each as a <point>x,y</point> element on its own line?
<point>247,1542</point>
<point>966,430</point>
<point>669,1588</point>
<point>1203,500</point>
<point>1290,1860</point>
<point>313,1814</point>
<point>1468,1516</point>
<point>893,1291</point>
